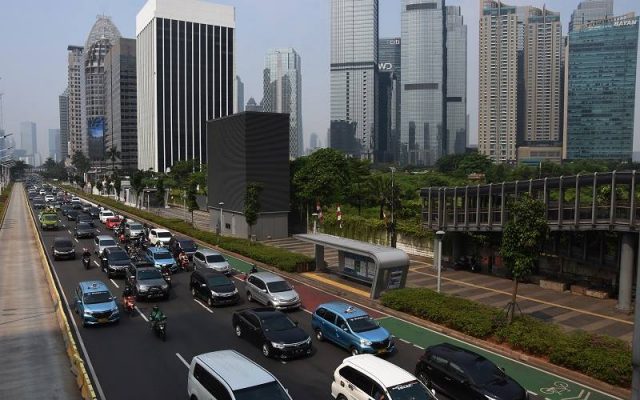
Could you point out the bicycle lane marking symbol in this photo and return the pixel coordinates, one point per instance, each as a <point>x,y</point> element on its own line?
<point>560,387</point>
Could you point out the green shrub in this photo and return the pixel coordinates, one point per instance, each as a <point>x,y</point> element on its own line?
<point>529,335</point>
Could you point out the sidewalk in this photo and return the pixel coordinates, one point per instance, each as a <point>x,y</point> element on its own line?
<point>34,361</point>
<point>565,309</point>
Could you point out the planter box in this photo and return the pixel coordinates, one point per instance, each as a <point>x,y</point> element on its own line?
<point>598,294</point>
<point>579,289</point>
<point>553,285</point>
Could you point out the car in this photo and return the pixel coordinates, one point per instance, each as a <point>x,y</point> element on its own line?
<point>273,331</point>
<point>48,220</point>
<point>65,208</point>
<point>77,205</point>
<point>209,259</point>
<point>112,223</point>
<point>159,235</point>
<point>101,242</point>
<point>351,328</point>
<point>72,215</point>
<point>114,261</point>
<point>178,244</point>
<point>55,204</point>
<point>216,375</point>
<point>86,207</point>
<point>84,217</point>
<point>366,376</point>
<point>459,373</point>
<point>48,198</point>
<point>213,287</point>
<point>160,257</point>
<point>63,248</point>
<point>94,212</point>
<point>271,290</point>
<point>95,304</point>
<point>133,229</point>
<point>146,281</point>
<point>84,229</point>
<point>38,204</point>
<point>42,192</point>
<point>105,214</point>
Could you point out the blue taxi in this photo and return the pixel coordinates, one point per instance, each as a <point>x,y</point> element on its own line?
<point>161,257</point>
<point>95,304</point>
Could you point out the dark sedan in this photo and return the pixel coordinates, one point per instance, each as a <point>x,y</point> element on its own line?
<point>115,261</point>
<point>213,287</point>
<point>63,249</point>
<point>84,230</point>
<point>65,209</point>
<point>273,331</point>
<point>84,217</point>
<point>94,212</point>
<point>72,215</point>
<point>178,244</point>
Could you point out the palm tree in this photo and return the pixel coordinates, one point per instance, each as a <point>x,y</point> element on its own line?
<point>113,154</point>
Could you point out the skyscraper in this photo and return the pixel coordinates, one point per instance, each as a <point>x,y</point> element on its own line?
<point>389,85</point>
<point>74,78</point>
<point>239,95</point>
<point>423,126</point>
<point>354,63</point>
<point>283,92</point>
<point>63,104</point>
<point>185,70</point>
<point>102,36</point>
<point>601,89</point>
<point>589,11</point>
<point>121,132</point>
<point>54,144</point>
<point>253,106</point>
<point>456,95</point>
<point>29,140</point>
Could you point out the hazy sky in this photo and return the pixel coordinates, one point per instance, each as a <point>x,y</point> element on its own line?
<point>34,35</point>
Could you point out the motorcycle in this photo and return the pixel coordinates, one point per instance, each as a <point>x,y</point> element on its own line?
<point>159,327</point>
<point>184,264</point>
<point>166,274</point>
<point>129,304</point>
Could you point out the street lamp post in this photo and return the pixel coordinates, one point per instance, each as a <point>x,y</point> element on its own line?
<point>221,204</point>
<point>315,220</point>
<point>439,236</point>
<point>393,197</point>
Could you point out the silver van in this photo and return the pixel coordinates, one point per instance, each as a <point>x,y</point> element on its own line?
<point>206,258</point>
<point>216,375</point>
<point>133,229</point>
<point>272,290</point>
<point>101,242</point>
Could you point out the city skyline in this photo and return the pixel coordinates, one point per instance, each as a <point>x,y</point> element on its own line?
<point>309,34</point>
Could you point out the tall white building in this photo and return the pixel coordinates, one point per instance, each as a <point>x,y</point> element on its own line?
<point>74,88</point>
<point>185,70</point>
<point>283,92</point>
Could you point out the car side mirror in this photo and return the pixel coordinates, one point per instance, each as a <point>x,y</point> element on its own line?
<point>204,285</point>
<point>344,328</point>
<point>263,290</point>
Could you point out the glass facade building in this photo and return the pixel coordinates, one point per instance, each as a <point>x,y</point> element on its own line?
<point>282,92</point>
<point>601,89</point>
<point>589,11</point>
<point>387,141</point>
<point>456,97</point>
<point>63,103</point>
<point>354,64</point>
<point>423,118</point>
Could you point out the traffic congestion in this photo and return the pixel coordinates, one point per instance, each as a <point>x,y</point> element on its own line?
<point>161,316</point>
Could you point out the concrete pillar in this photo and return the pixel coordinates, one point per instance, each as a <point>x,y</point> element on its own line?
<point>435,253</point>
<point>457,246</point>
<point>319,250</point>
<point>626,272</point>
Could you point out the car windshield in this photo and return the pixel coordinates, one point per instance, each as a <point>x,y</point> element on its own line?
<point>84,225</point>
<point>118,256</point>
<point>278,286</point>
<point>483,371</point>
<point>113,220</point>
<point>135,227</point>
<point>107,242</point>
<point>96,297</point>
<point>149,274</point>
<point>218,280</point>
<point>63,243</point>
<point>410,391</point>
<point>266,391</point>
<point>188,245</point>
<point>107,214</point>
<point>164,234</point>
<point>50,217</point>
<point>215,258</point>
<point>161,255</point>
<point>362,324</point>
<point>277,323</point>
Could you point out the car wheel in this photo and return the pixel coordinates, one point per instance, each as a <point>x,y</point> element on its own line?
<point>266,350</point>
<point>193,292</point>
<point>319,335</point>
<point>238,331</point>
<point>210,302</point>
<point>249,297</point>
<point>424,378</point>
<point>355,351</point>
<point>341,397</point>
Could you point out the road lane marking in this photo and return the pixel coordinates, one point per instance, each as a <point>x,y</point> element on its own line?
<point>404,341</point>
<point>141,314</point>
<point>96,263</point>
<point>203,306</point>
<point>76,240</point>
<point>114,283</point>
<point>186,364</point>
<point>69,231</point>
<point>418,347</point>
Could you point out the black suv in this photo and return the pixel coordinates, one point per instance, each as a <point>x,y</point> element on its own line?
<point>115,261</point>
<point>273,331</point>
<point>84,229</point>
<point>462,374</point>
<point>213,287</point>
<point>146,281</point>
<point>178,244</point>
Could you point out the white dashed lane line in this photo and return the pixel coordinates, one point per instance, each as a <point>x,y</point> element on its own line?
<point>142,314</point>
<point>114,283</point>
<point>203,306</point>
<point>96,263</point>
<point>76,240</point>
<point>186,364</point>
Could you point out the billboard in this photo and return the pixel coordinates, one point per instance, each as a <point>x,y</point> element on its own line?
<point>96,127</point>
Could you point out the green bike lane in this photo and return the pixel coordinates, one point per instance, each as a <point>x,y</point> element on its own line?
<point>543,384</point>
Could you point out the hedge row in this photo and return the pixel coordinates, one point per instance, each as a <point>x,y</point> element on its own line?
<point>3,199</point>
<point>277,257</point>
<point>605,358</point>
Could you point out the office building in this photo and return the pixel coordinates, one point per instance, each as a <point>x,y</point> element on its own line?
<point>282,92</point>
<point>102,37</point>
<point>121,134</point>
<point>63,108</point>
<point>589,11</point>
<point>74,87</point>
<point>354,64</point>
<point>601,89</point>
<point>28,138</point>
<point>253,106</point>
<point>456,88</point>
<point>54,144</point>
<point>239,95</point>
<point>542,77</point>
<point>387,141</point>
<point>186,72</point>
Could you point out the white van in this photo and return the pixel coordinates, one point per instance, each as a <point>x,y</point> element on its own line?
<point>216,376</point>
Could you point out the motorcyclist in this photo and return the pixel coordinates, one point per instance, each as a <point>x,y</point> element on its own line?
<point>156,316</point>
<point>86,253</point>
<point>183,259</point>
<point>127,291</point>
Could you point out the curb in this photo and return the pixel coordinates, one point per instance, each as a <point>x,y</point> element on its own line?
<point>77,363</point>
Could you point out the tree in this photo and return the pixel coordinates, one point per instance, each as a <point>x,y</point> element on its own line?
<point>117,184</point>
<point>522,239</point>
<point>160,190</point>
<point>252,204</point>
<point>99,186</point>
<point>192,203</point>
<point>81,162</point>
<point>113,154</point>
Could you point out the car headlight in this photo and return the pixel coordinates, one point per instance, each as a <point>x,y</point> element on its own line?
<point>165,286</point>
<point>277,345</point>
<point>88,314</point>
<point>308,340</point>
<point>214,293</point>
<point>365,342</point>
<point>143,290</point>
<point>235,291</point>
<point>55,251</point>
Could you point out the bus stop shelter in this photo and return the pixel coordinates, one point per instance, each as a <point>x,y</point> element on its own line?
<point>383,268</point>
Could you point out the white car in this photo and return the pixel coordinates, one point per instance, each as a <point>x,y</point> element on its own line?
<point>49,198</point>
<point>106,214</point>
<point>159,235</point>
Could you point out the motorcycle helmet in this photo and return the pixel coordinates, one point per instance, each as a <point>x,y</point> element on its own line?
<point>156,308</point>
